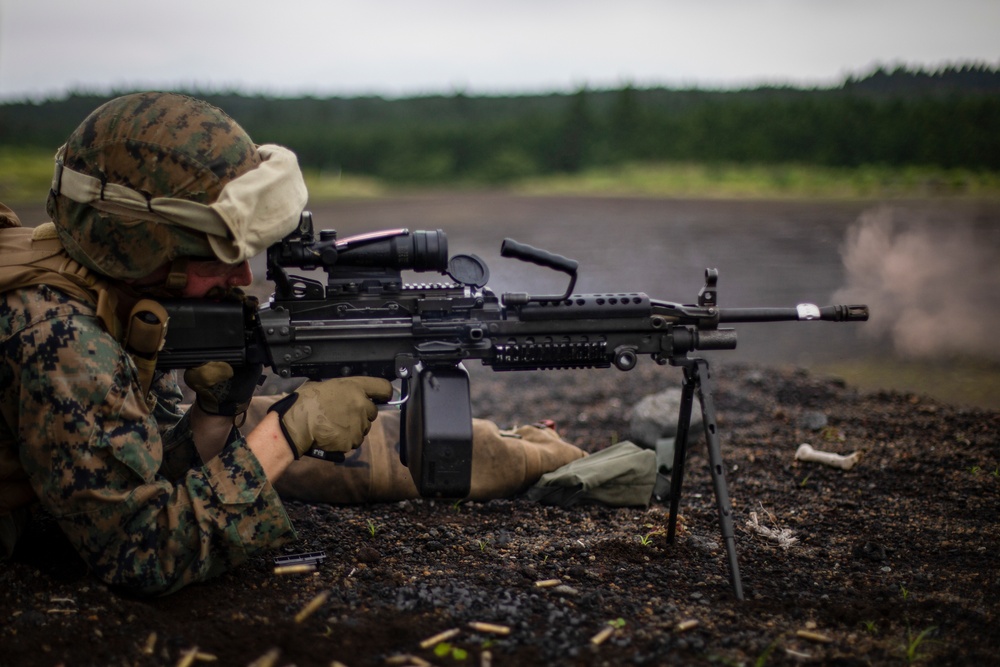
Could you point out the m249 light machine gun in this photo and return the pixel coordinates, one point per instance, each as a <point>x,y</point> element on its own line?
<point>363,320</point>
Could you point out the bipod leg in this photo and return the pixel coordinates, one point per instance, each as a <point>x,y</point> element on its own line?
<point>680,449</point>
<point>717,470</point>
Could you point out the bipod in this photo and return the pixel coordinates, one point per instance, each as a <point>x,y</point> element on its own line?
<point>696,377</point>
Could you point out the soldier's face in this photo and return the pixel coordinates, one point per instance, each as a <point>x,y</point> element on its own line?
<point>211,277</point>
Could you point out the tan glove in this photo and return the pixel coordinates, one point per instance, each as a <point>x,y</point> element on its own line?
<point>331,416</point>
<point>222,389</point>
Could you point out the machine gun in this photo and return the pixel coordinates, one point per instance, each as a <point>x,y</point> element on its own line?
<point>363,320</point>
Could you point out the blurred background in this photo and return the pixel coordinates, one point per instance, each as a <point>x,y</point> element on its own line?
<point>810,151</point>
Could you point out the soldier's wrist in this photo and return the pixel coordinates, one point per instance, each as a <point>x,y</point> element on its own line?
<point>281,407</point>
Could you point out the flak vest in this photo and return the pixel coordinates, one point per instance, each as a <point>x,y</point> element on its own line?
<point>33,257</point>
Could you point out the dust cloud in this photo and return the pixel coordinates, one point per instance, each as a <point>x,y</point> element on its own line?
<point>933,289</point>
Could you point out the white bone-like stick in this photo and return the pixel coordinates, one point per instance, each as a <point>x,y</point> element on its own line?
<point>807,453</point>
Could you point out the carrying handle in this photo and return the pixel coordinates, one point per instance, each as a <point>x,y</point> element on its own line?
<point>527,253</point>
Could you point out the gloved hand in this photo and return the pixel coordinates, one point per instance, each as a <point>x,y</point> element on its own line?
<point>222,389</point>
<point>333,415</point>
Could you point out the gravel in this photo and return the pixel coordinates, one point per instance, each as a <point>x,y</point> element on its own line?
<point>893,561</point>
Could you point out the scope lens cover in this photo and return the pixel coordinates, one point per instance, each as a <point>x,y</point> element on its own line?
<point>468,270</point>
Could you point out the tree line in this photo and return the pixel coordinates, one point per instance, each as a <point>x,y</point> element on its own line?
<point>948,119</point>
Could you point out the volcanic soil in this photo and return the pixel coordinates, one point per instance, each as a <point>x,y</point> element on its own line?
<point>891,562</point>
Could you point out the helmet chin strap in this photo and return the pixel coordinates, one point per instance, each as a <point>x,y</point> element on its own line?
<point>176,278</point>
<point>169,282</point>
<point>162,283</point>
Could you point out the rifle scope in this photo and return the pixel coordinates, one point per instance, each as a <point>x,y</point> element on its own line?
<point>389,249</point>
<point>396,249</point>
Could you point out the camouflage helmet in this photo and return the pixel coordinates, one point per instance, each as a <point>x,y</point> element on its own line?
<point>157,145</point>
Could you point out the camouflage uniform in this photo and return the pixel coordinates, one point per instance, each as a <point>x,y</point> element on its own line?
<point>120,475</point>
<point>125,484</point>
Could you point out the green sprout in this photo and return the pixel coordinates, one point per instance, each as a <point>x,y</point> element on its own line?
<point>483,543</point>
<point>763,657</point>
<point>444,649</point>
<point>913,644</point>
<point>647,539</point>
<point>832,434</point>
<point>618,623</point>
<point>372,527</point>
<point>870,627</point>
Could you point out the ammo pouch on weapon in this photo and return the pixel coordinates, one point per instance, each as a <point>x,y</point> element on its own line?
<point>622,475</point>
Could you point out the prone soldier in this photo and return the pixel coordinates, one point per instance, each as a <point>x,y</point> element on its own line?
<point>153,195</point>
<point>161,196</point>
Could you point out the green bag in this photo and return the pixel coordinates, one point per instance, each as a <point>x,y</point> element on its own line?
<point>622,475</point>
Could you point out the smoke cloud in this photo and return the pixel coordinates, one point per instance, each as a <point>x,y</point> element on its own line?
<point>933,288</point>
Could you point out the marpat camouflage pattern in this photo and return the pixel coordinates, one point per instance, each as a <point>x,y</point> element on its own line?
<point>126,486</point>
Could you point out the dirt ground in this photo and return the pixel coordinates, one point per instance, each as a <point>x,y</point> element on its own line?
<point>893,562</point>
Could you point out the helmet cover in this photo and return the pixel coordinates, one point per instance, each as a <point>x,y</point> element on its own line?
<point>159,144</point>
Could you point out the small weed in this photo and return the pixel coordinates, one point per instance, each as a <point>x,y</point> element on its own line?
<point>974,470</point>
<point>763,657</point>
<point>457,505</point>
<point>805,480</point>
<point>444,649</point>
<point>832,434</point>
<point>996,472</point>
<point>372,527</point>
<point>870,627</point>
<point>618,623</point>
<point>647,539</point>
<point>483,544</point>
<point>914,643</point>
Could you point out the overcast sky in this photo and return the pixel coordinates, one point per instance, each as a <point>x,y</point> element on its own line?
<point>406,47</point>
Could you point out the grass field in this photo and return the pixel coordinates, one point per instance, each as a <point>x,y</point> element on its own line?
<point>25,176</point>
<point>788,181</point>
